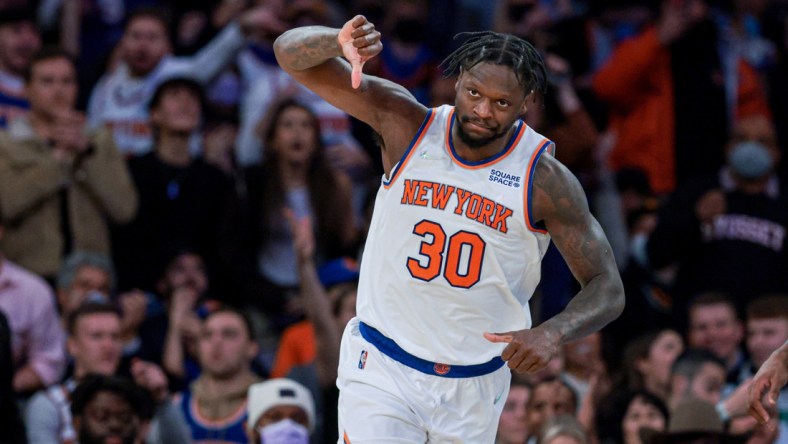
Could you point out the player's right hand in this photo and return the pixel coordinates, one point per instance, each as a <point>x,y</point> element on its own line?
<point>527,350</point>
<point>360,42</point>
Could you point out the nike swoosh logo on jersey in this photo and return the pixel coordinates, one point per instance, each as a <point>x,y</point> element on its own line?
<point>427,156</point>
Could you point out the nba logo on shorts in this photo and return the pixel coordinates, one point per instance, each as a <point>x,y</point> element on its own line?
<point>441,369</point>
<point>362,360</point>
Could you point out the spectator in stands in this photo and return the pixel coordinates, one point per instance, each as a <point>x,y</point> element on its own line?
<point>280,411</point>
<point>623,415</point>
<point>767,330</point>
<point>778,89</point>
<point>512,425</point>
<point>36,335</point>
<point>564,429</point>
<point>94,344</point>
<point>698,374</point>
<point>339,279</point>
<point>693,421</point>
<point>19,42</point>
<point>714,325</point>
<point>407,59</point>
<point>176,330</point>
<point>673,98</point>
<point>120,98</point>
<point>265,83</point>
<point>87,31</point>
<point>110,409</point>
<point>90,277</point>
<point>10,420</point>
<point>726,231</point>
<point>549,398</point>
<point>294,176</point>
<point>182,198</point>
<point>647,361</point>
<point>83,277</point>
<point>215,405</point>
<point>584,366</point>
<point>58,184</point>
<point>309,351</point>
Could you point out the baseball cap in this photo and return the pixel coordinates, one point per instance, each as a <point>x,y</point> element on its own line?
<point>275,392</point>
<point>338,271</point>
<point>693,419</point>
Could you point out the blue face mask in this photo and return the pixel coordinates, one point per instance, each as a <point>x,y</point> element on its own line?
<point>750,160</point>
<point>285,431</point>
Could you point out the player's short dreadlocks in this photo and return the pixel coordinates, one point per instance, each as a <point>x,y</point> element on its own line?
<point>499,49</point>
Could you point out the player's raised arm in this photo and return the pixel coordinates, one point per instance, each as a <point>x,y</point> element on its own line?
<point>330,61</point>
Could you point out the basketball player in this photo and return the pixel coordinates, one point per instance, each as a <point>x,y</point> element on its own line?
<point>470,199</point>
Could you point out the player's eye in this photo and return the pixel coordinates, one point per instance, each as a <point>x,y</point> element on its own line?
<point>473,93</point>
<point>502,103</point>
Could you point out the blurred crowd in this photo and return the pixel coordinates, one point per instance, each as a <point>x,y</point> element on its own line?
<point>181,222</point>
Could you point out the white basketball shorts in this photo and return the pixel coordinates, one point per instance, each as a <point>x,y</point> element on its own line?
<point>382,400</point>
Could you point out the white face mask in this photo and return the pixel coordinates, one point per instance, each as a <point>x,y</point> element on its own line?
<point>750,160</point>
<point>285,431</point>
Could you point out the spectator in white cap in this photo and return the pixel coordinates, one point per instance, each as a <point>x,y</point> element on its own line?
<point>281,411</point>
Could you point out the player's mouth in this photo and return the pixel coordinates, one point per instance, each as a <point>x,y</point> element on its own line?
<point>476,125</point>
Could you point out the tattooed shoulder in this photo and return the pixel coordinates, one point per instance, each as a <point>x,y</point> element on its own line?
<point>557,192</point>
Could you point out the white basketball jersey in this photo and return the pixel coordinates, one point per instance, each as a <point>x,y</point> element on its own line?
<point>452,252</point>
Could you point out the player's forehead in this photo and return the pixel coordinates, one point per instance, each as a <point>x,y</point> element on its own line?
<point>492,78</point>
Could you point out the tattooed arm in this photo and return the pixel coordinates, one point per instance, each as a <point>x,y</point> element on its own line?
<point>313,55</point>
<point>558,200</point>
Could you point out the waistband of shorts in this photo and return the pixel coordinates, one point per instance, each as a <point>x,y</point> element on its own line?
<point>395,352</point>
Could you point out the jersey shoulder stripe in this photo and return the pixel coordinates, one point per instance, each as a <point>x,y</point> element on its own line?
<point>545,145</point>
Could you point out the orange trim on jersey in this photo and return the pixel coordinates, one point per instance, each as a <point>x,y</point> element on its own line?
<point>345,438</point>
<point>508,149</point>
<point>545,144</point>
<point>215,423</point>
<point>412,148</point>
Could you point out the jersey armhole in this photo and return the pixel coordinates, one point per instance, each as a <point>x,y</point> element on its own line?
<point>425,125</point>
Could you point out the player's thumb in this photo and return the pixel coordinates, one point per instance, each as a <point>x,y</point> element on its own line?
<point>499,337</point>
<point>355,76</point>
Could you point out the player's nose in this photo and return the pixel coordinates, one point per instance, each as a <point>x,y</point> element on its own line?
<point>482,109</point>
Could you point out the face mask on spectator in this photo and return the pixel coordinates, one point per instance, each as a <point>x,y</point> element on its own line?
<point>285,431</point>
<point>750,160</point>
<point>96,296</point>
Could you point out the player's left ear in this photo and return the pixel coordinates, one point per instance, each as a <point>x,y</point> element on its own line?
<point>524,106</point>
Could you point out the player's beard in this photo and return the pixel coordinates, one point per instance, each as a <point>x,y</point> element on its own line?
<point>471,142</point>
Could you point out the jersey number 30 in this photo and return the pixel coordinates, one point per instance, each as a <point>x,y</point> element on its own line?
<point>434,251</point>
